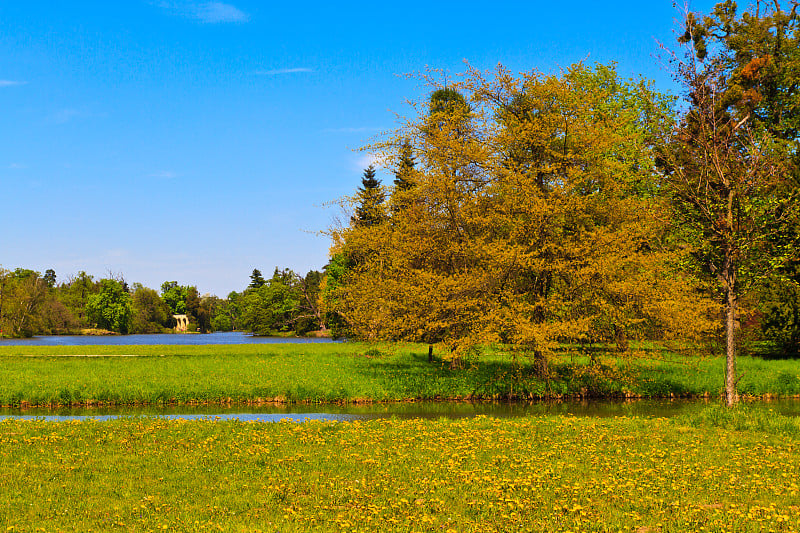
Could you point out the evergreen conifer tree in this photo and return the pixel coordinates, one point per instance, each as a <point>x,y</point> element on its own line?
<point>256,279</point>
<point>447,101</point>
<point>369,210</point>
<point>403,176</point>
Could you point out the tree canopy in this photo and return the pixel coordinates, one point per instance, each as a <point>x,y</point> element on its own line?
<point>111,308</point>
<point>534,218</point>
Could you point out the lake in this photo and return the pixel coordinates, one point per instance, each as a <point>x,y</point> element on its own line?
<point>223,337</point>
<point>428,410</point>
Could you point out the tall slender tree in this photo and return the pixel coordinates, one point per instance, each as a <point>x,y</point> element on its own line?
<point>760,51</point>
<point>49,278</point>
<point>729,177</point>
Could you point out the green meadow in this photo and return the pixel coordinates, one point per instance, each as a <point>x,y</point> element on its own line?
<point>355,372</point>
<point>714,471</point>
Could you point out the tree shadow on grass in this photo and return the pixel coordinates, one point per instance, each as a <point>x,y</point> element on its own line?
<point>775,352</point>
<point>514,380</point>
<point>608,350</point>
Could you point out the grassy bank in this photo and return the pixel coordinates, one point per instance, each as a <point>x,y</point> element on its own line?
<point>351,373</point>
<point>483,474</point>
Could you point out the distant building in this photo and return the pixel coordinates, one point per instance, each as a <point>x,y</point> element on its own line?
<point>182,322</point>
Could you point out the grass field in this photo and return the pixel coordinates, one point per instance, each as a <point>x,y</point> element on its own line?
<point>481,474</point>
<point>713,469</point>
<point>351,372</point>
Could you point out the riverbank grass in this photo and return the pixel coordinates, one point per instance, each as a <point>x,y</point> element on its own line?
<point>481,474</point>
<point>354,372</point>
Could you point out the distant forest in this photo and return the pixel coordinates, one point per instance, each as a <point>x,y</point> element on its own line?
<point>32,303</point>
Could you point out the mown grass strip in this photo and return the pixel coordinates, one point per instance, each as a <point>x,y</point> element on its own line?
<point>482,474</point>
<point>351,372</point>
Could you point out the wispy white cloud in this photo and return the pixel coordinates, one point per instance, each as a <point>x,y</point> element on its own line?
<point>65,115</point>
<point>68,114</point>
<point>217,12</point>
<point>165,174</point>
<point>207,12</point>
<point>116,254</point>
<point>11,83</point>
<point>17,166</point>
<point>279,71</point>
<point>364,160</point>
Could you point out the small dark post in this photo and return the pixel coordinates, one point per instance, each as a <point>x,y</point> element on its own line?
<point>430,353</point>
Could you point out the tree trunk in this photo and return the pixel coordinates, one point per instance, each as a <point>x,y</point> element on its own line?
<point>540,364</point>
<point>731,397</point>
<point>2,291</point>
<point>621,339</point>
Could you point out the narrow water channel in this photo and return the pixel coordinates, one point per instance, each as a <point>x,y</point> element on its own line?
<point>300,413</point>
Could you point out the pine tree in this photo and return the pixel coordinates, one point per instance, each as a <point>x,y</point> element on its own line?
<point>448,101</point>
<point>403,176</point>
<point>404,179</point>
<point>256,279</point>
<point>371,197</point>
<point>50,278</point>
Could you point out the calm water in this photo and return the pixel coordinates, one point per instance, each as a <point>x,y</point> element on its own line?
<point>299,413</point>
<point>228,337</point>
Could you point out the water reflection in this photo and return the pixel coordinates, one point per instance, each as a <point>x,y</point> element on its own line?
<point>300,413</point>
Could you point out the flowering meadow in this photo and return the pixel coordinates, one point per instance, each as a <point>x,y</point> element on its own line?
<point>480,474</point>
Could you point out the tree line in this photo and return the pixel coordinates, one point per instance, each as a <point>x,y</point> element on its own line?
<point>532,210</point>
<point>32,303</point>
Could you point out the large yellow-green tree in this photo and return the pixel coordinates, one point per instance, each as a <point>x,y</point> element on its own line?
<point>534,218</point>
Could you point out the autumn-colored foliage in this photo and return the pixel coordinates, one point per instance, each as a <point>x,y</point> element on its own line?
<point>533,218</point>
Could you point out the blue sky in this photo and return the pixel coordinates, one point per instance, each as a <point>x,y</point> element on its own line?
<point>194,141</point>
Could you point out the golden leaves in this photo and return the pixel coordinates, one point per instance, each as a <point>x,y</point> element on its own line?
<point>533,218</point>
